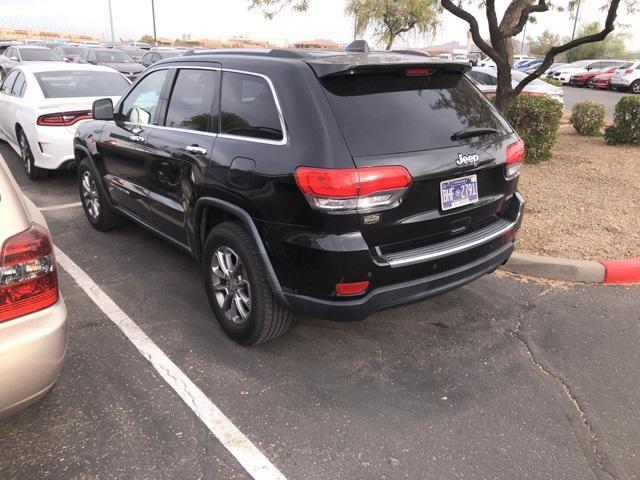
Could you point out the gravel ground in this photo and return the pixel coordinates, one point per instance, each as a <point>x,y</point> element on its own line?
<point>584,202</point>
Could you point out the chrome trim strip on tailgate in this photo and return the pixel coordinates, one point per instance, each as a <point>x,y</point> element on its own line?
<point>449,247</point>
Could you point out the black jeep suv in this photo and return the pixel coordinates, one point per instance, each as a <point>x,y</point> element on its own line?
<point>326,184</point>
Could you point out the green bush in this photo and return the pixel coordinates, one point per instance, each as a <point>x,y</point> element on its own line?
<point>552,81</point>
<point>588,118</point>
<point>536,119</point>
<point>626,122</point>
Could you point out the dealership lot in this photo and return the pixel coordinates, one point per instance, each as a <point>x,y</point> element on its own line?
<point>500,379</point>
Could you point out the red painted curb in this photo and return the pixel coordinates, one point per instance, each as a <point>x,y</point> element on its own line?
<point>622,271</point>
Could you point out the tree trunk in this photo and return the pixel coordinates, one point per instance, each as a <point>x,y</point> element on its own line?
<point>392,38</point>
<point>504,93</point>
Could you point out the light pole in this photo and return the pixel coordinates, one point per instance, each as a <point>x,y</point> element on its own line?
<point>575,21</point>
<point>113,38</point>
<point>153,14</point>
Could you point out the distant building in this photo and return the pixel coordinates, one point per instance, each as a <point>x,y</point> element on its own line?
<point>317,44</point>
<point>22,34</point>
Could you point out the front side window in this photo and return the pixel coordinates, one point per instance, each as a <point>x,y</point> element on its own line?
<point>248,108</point>
<point>484,78</point>
<point>7,85</point>
<point>141,103</point>
<point>192,101</point>
<point>18,85</point>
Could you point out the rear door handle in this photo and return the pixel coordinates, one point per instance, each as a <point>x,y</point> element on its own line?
<point>136,138</point>
<point>195,149</point>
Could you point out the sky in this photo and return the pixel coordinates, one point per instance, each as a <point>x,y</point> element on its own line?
<point>232,18</point>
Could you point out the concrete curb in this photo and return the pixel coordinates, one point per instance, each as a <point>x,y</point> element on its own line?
<point>567,270</point>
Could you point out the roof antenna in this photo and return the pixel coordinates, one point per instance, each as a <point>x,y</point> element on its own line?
<point>358,46</point>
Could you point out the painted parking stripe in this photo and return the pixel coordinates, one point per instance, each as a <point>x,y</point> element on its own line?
<point>247,454</point>
<point>60,207</point>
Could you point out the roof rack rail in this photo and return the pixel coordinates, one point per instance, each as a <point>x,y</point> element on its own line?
<point>264,52</point>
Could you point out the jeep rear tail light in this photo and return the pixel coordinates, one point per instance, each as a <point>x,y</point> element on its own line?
<point>28,277</point>
<point>346,189</point>
<point>514,158</point>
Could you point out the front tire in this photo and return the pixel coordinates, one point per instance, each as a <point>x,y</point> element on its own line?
<point>238,288</point>
<point>93,197</point>
<point>28,162</point>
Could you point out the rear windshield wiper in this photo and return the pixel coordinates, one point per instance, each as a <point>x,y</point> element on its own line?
<point>473,132</point>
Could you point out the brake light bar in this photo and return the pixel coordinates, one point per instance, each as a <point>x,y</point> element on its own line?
<point>63,119</point>
<point>418,72</point>
<point>514,157</point>
<point>28,277</point>
<point>343,189</point>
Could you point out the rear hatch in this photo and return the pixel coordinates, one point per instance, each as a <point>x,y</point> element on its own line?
<point>430,119</point>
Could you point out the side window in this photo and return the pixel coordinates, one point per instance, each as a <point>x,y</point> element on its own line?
<point>248,107</point>
<point>141,103</point>
<point>7,85</point>
<point>483,77</point>
<point>192,101</point>
<point>18,86</point>
<point>7,52</point>
<point>91,56</point>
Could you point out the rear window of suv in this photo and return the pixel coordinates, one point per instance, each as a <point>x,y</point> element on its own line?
<point>386,113</point>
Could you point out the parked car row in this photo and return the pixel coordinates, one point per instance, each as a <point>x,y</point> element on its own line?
<point>128,60</point>
<point>603,74</point>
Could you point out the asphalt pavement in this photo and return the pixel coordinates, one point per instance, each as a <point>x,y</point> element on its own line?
<point>608,98</point>
<point>505,378</point>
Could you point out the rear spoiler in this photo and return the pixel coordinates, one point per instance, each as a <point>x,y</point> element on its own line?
<point>380,63</point>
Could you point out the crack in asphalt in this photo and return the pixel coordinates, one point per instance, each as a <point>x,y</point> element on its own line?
<point>596,459</point>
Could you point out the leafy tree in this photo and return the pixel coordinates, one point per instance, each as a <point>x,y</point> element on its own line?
<point>611,47</point>
<point>544,43</point>
<point>147,39</point>
<point>390,18</point>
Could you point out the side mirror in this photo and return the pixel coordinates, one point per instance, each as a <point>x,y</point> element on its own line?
<point>102,109</point>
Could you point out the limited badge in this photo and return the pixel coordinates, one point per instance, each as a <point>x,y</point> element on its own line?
<point>371,219</point>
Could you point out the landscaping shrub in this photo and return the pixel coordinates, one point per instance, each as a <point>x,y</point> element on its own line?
<point>552,81</point>
<point>626,122</point>
<point>588,118</point>
<point>536,119</point>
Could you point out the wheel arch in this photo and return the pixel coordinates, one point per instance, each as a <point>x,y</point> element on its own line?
<point>208,208</point>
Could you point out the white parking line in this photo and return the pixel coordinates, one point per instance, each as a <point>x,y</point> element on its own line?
<point>247,454</point>
<point>60,207</point>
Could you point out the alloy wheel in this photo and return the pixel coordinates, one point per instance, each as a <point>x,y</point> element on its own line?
<point>90,195</point>
<point>635,88</point>
<point>25,153</point>
<point>230,285</point>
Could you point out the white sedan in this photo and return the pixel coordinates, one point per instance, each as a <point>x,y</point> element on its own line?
<point>486,79</point>
<point>41,105</point>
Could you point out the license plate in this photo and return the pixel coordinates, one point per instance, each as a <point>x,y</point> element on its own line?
<point>459,192</point>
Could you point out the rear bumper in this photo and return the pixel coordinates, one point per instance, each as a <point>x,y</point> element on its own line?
<point>32,351</point>
<point>620,85</point>
<point>399,294</point>
<point>52,147</point>
<point>470,259</point>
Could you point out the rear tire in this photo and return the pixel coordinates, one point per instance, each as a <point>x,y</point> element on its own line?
<point>33,172</point>
<point>238,287</point>
<point>93,197</point>
<point>635,87</point>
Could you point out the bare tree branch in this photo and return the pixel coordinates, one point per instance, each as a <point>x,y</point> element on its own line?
<point>596,37</point>
<point>450,6</point>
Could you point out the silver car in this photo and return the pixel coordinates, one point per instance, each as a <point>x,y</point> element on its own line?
<point>33,317</point>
